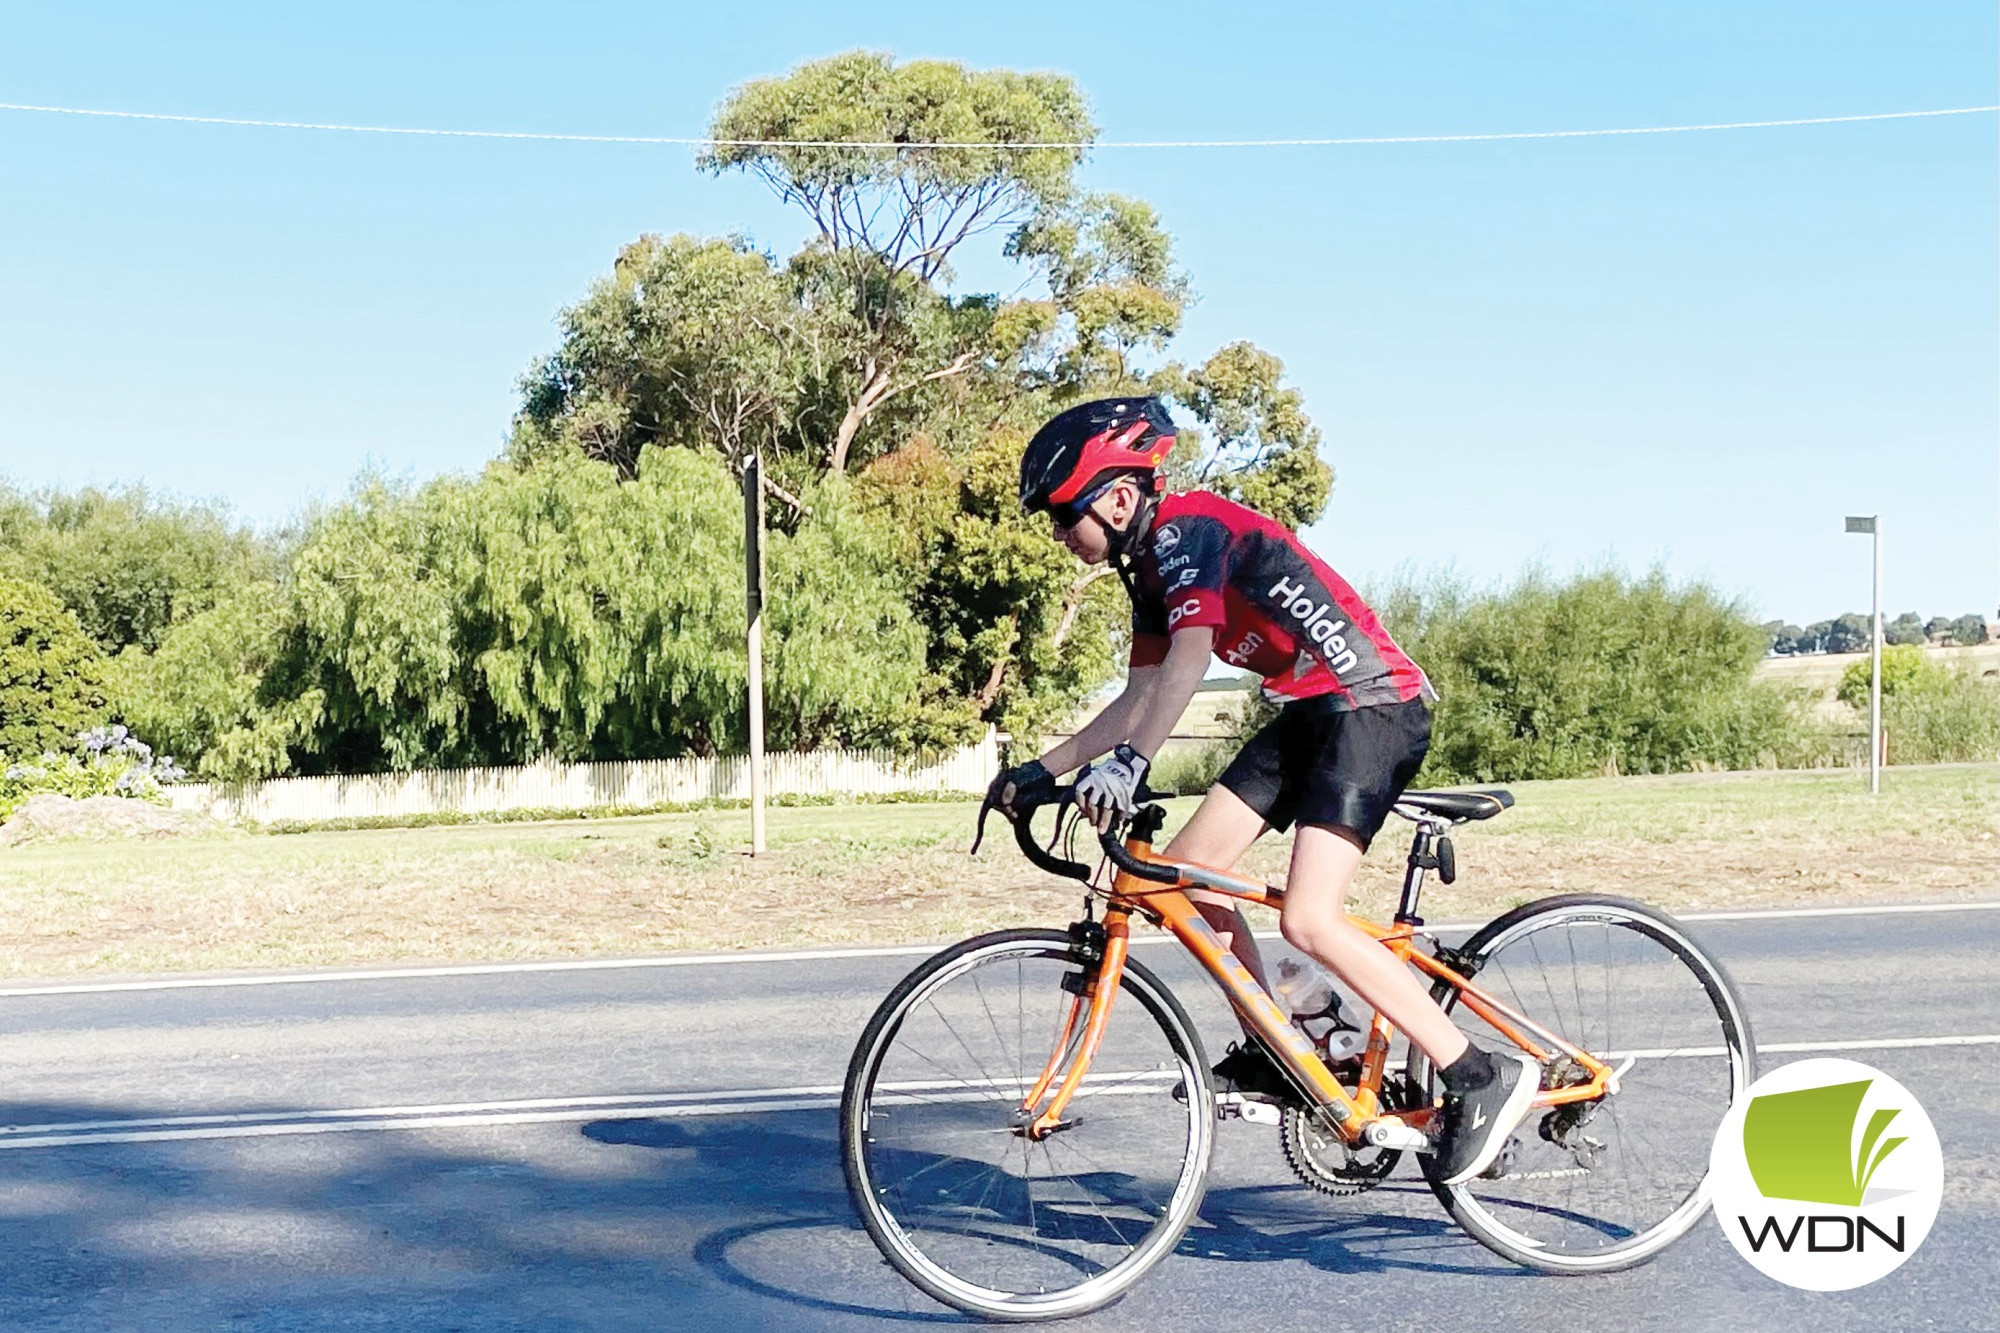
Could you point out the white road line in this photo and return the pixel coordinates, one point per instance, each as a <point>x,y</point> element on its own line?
<point>678,1111</point>
<point>1776,913</point>
<point>1783,1047</point>
<point>1894,1043</point>
<point>649,1099</point>
<point>799,956</point>
<point>639,1106</point>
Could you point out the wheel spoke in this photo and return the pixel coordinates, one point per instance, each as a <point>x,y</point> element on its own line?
<point>971,1209</point>
<point>1550,1210</point>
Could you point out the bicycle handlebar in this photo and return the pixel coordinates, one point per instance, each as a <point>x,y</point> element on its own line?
<point>1024,836</point>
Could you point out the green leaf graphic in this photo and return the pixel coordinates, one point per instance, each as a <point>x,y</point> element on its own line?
<point>1799,1145</point>
<point>1888,1147</point>
<point>1864,1166</point>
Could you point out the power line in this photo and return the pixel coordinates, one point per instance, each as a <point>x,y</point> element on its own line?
<point>1101,143</point>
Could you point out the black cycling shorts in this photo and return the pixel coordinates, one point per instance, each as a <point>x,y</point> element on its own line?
<point>1317,764</point>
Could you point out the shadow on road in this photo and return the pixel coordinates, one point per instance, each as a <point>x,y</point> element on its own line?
<point>1396,1228</point>
<point>700,1223</point>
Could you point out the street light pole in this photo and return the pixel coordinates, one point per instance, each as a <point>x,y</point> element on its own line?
<point>1872,525</point>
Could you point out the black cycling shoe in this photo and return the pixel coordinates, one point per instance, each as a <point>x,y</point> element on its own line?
<point>1247,1068</point>
<point>1476,1123</point>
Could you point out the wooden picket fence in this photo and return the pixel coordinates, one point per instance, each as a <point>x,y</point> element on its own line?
<point>554,786</point>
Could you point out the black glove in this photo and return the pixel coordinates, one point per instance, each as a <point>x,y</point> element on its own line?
<point>1024,786</point>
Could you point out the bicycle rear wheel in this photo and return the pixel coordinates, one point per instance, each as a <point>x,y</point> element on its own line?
<point>981,1217</point>
<point>1599,1186</point>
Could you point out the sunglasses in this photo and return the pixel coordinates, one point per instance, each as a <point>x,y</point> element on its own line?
<point>1069,513</point>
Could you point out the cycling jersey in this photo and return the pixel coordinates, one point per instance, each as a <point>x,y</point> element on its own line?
<point>1277,609</point>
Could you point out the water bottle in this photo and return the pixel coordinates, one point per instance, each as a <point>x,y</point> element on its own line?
<point>1315,1006</point>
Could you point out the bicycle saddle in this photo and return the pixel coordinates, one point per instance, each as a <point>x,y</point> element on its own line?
<point>1459,806</point>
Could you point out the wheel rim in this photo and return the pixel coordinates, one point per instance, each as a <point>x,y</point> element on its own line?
<point>1632,1176</point>
<point>991,1221</point>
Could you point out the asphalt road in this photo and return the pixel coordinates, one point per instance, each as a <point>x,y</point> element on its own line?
<point>652,1145</point>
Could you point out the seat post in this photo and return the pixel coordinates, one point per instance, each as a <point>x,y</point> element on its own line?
<point>1423,857</point>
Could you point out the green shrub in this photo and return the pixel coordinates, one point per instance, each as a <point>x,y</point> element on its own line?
<point>1931,713</point>
<point>1601,673</point>
<point>1942,717</point>
<point>1903,667</point>
<point>53,679</point>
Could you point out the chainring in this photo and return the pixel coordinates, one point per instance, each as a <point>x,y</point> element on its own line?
<point>1322,1159</point>
<point>1318,1157</point>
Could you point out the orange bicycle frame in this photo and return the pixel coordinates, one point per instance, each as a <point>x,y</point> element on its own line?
<point>1168,906</point>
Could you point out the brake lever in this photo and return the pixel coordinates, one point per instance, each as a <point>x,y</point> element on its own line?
<point>986,807</point>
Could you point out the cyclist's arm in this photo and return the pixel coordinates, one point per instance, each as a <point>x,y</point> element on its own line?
<point>1110,726</point>
<point>1173,685</point>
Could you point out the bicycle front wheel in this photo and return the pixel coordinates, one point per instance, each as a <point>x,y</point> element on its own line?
<point>1597,1186</point>
<point>959,1201</point>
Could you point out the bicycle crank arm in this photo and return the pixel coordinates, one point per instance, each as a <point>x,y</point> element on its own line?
<point>1389,1132</point>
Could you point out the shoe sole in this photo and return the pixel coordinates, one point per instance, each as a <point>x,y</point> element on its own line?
<point>1511,1114</point>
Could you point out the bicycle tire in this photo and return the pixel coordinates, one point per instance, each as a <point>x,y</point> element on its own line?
<point>1674,1012</point>
<point>1102,1202</point>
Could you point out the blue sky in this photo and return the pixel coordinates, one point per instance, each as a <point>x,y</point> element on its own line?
<point>1701,350</point>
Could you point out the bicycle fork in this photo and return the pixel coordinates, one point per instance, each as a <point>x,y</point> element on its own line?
<point>1083,1029</point>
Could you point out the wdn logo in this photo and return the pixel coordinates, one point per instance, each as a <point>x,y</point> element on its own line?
<point>1827,1175</point>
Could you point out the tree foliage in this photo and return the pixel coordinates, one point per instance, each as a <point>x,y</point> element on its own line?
<point>550,611</point>
<point>1907,628</point>
<point>1852,633</point>
<point>888,218</point>
<point>128,563</point>
<point>53,678</point>
<point>204,694</point>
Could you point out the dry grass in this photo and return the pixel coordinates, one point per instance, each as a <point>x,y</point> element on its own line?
<point>884,874</point>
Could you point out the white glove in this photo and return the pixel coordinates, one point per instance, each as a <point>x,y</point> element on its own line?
<point>1110,788</point>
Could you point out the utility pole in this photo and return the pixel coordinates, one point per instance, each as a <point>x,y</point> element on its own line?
<point>1872,525</point>
<point>753,569</point>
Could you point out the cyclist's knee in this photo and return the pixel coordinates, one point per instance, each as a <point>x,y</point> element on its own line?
<point>1304,932</point>
<point>1313,922</point>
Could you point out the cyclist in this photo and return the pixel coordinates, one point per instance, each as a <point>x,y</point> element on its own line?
<point>1207,575</point>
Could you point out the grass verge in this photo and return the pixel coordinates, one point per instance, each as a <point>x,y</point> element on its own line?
<point>899,873</point>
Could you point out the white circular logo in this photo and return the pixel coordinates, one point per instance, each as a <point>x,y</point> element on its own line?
<point>1826,1174</point>
<point>1166,539</point>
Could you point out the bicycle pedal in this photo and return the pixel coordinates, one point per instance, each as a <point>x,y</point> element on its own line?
<point>1243,1106</point>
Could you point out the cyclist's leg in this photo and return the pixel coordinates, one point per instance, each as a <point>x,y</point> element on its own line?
<point>1220,831</point>
<point>1324,859</point>
<point>1366,758</point>
<point>1351,770</point>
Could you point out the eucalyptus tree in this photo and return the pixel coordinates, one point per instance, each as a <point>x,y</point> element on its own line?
<point>862,356</point>
<point>897,166</point>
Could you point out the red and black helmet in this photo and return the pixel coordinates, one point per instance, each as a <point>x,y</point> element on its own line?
<point>1082,450</point>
